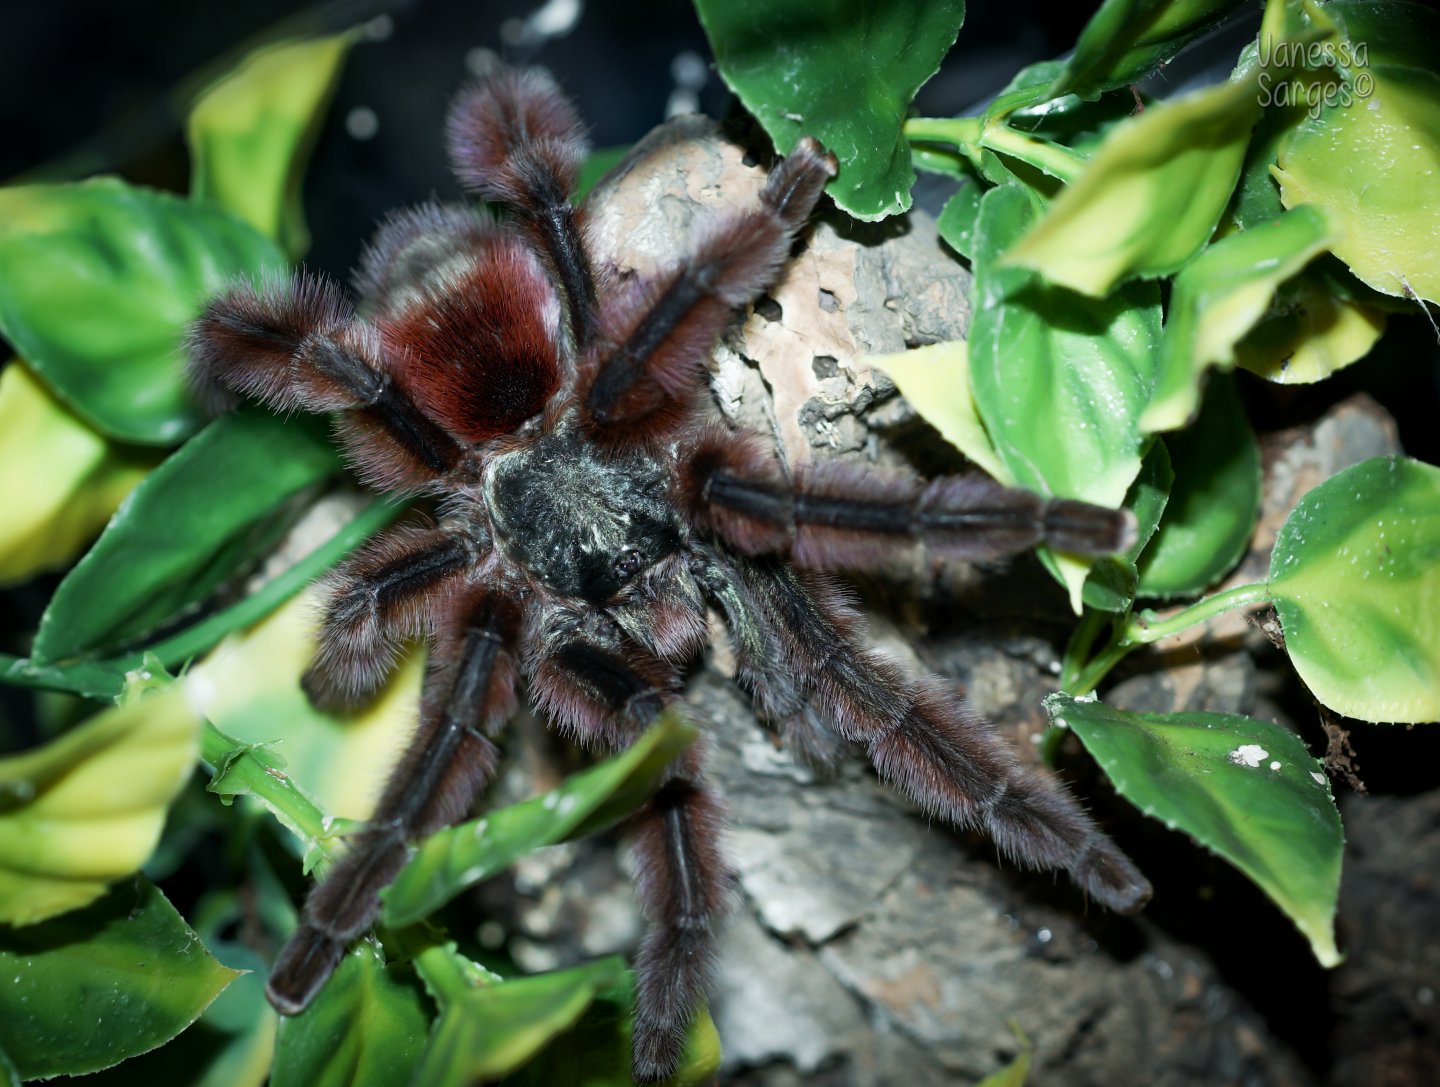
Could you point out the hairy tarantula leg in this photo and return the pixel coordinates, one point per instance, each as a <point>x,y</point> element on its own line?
<point>470,685</point>
<point>516,139</point>
<point>384,593</point>
<point>296,345</point>
<point>656,333</point>
<point>760,667</point>
<point>922,739</point>
<point>841,515</point>
<point>684,887</point>
<point>605,694</point>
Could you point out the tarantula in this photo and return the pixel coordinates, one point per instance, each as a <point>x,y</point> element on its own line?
<point>591,509</point>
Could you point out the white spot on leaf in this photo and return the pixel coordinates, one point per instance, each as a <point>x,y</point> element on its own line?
<point>1248,755</point>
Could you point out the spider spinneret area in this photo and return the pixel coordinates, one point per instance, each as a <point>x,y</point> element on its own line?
<point>591,510</point>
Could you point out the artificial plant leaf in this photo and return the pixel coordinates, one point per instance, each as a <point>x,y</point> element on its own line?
<point>1151,195</point>
<point>254,769</point>
<point>1215,500</point>
<point>462,856</point>
<point>62,479</point>
<point>1355,576</point>
<point>1369,153</point>
<point>102,984</point>
<point>1246,790</point>
<point>97,282</point>
<point>486,1031</point>
<point>1128,40</point>
<point>1219,297</point>
<point>212,506</point>
<point>251,132</point>
<point>844,72</point>
<point>88,808</point>
<point>595,1052</point>
<point>936,380</point>
<point>249,687</point>
<point>365,1028</point>
<point>1311,330</point>
<point>957,218</point>
<point>1017,1071</point>
<point>1059,379</point>
<point>1114,580</point>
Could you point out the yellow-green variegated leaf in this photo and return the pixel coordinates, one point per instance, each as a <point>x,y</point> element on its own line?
<point>1369,153</point>
<point>936,381</point>
<point>1151,195</point>
<point>1219,297</point>
<point>88,808</point>
<point>1310,333</point>
<point>1355,576</point>
<point>251,132</point>
<point>62,479</point>
<point>249,687</point>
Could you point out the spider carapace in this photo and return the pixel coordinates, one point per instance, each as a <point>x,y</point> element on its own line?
<point>591,509</point>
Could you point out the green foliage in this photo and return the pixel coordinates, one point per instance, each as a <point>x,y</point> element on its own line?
<point>844,72</point>
<point>94,987</point>
<point>1246,790</point>
<point>1119,263</point>
<point>138,264</point>
<point>1355,576</point>
<point>87,808</point>
<point>454,859</point>
<point>365,1029</point>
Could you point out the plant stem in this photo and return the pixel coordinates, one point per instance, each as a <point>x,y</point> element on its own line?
<point>1052,158</point>
<point>247,774</point>
<point>1148,627</point>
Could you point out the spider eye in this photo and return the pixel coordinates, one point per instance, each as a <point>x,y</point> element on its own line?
<point>627,563</point>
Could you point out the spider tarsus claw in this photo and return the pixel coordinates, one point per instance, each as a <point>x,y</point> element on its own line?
<point>305,963</point>
<point>1111,879</point>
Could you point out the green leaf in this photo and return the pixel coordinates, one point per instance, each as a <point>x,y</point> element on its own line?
<point>1246,790</point>
<point>106,679</point>
<point>365,1028</point>
<point>1356,579</point>
<point>1369,152</point>
<point>249,687</point>
<point>102,984</point>
<point>958,217</point>
<point>1151,195</point>
<point>1220,297</point>
<point>936,381</point>
<point>1313,328</point>
<point>88,808</point>
<point>1129,40</point>
<point>844,72</point>
<point>62,480</point>
<point>1017,1071</point>
<point>462,856</point>
<point>1214,503</point>
<point>97,283</point>
<point>1060,380</point>
<point>251,132</point>
<point>486,1031</point>
<point>1114,580</point>
<point>208,509</point>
